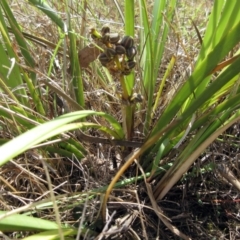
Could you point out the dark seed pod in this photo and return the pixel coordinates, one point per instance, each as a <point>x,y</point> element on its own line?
<point>127,42</point>
<point>114,38</point>
<point>120,49</point>
<point>130,64</point>
<point>105,29</point>
<point>126,71</point>
<point>131,52</point>
<point>110,52</point>
<point>103,58</point>
<point>105,38</point>
<point>136,98</point>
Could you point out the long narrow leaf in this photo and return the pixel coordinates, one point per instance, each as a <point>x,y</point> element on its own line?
<point>20,38</point>
<point>20,222</point>
<point>43,132</point>
<point>202,71</point>
<point>51,13</point>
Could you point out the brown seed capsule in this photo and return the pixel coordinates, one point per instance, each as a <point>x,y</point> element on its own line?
<point>110,52</point>
<point>105,29</point>
<point>103,58</point>
<point>131,52</point>
<point>130,64</point>
<point>120,49</point>
<point>127,42</point>
<point>114,38</point>
<point>126,71</point>
<point>136,98</point>
<point>105,38</point>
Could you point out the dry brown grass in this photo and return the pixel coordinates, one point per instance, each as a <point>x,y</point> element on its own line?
<point>203,205</point>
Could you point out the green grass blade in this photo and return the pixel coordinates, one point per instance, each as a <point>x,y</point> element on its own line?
<point>219,27</point>
<point>19,222</point>
<point>75,69</point>
<point>129,81</point>
<point>10,72</point>
<point>159,92</point>
<point>129,17</point>
<point>232,103</point>
<point>180,167</point>
<point>221,80</point>
<point>147,61</point>
<point>200,73</point>
<point>160,8</point>
<point>48,130</point>
<point>34,93</point>
<point>51,13</point>
<point>129,31</point>
<point>7,90</point>
<point>154,47</point>
<point>16,75</point>
<point>19,38</point>
<point>54,234</point>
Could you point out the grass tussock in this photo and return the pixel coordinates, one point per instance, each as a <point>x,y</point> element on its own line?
<point>94,149</point>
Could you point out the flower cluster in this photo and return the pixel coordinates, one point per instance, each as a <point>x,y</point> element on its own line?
<point>118,55</point>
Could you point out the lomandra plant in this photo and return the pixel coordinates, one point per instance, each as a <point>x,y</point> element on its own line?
<point>201,107</point>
